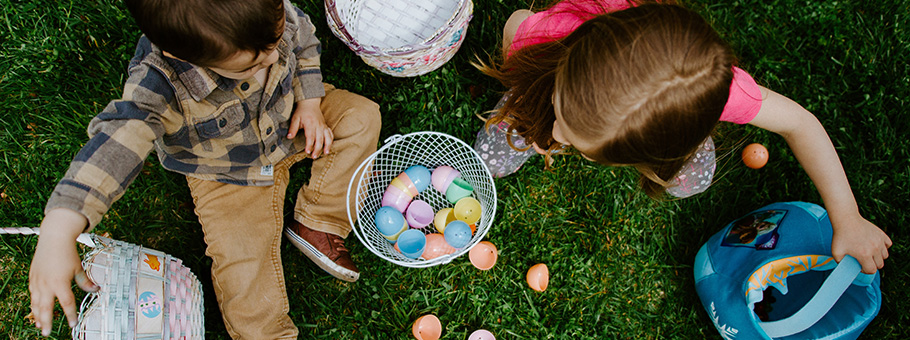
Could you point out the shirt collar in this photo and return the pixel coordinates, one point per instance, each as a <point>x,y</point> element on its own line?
<point>201,81</point>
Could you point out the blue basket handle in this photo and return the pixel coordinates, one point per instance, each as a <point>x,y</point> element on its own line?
<point>834,286</point>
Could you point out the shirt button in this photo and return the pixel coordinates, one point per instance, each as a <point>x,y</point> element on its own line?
<point>268,131</point>
<point>273,148</point>
<point>222,122</point>
<point>245,86</point>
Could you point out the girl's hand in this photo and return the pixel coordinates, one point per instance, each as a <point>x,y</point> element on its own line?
<point>319,136</point>
<point>857,237</point>
<point>54,266</point>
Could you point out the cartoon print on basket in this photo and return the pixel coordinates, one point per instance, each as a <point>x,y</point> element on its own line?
<point>758,230</point>
<point>149,304</point>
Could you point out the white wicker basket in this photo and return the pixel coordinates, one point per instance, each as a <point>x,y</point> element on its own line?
<point>145,294</point>
<point>430,149</point>
<point>402,38</point>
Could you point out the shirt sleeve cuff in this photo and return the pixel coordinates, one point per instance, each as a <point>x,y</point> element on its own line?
<point>88,206</point>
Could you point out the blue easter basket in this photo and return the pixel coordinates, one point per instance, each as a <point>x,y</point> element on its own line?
<point>770,275</point>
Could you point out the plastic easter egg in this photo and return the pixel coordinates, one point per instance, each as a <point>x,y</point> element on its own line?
<point>395,198</point>
<point>420,175</point>
<point>427,327</point>
<point>538,277</point>
<point>755,156</point>
<point>481,334</point>
<point>443,217</point>
<point>390,223</point>
<point>443,176</point>
<point>419,214</point>
<point>483,255</point>
<point>404,183</point>
<point>458,189</point>
<point>468,209</point>
<point>436,247</point>
<point>457,234</point>
<point>412,243</point>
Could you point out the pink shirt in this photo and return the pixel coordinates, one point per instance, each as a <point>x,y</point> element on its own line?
<point>563,18</point>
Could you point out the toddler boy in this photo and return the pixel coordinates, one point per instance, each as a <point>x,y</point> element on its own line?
<point>221,90</point>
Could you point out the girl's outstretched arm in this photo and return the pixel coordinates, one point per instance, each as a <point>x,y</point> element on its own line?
<point>853,234</point>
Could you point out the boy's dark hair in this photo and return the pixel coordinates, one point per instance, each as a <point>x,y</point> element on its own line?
<point>206,32</point>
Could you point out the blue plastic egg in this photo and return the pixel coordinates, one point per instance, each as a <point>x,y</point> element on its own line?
<point>390,223</point>
<point>420,175</point>
<point>412,243</point>
<point>457,234</point>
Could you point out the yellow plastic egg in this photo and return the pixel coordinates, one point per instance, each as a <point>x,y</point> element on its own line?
<point>442,219</point>
<point>468,209</point>
<point>538,277</point>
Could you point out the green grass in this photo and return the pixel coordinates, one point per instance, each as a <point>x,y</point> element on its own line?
<point>621,263</point>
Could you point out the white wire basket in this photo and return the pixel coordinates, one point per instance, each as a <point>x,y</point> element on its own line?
<point>144,294</point>
<point>402,38</point>
<point>430,149</point>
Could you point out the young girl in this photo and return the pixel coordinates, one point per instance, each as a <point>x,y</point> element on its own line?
<point>644,86</point>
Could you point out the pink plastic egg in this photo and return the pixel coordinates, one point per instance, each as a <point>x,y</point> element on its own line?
<point>419,214</point>
<point>538,277</point>
<point>427,327</point>
<point>395,198</point>
<point>436,247</point>
<point>483,255</point>
<point>481,334</point>
<point>442,177</point>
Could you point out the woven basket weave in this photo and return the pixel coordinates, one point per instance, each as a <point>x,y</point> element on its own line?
<point>402,38</point>
<point>145,294</point>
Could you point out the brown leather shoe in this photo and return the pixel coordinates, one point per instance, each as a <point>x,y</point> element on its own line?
<point>324,249</point>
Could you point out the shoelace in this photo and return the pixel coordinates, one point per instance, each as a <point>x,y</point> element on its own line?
<point>340,243</point>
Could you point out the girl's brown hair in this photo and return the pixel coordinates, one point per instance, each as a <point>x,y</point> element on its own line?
<point>641,87</point>
<point>207,32</point>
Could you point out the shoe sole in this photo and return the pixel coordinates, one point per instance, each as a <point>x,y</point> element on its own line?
<point>320,259</point>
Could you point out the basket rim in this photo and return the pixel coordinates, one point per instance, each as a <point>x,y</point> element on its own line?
<point>358,174</point>
<point>346,37</point>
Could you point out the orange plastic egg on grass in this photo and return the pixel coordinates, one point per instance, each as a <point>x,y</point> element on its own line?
<point>755,156</point>
<point>427,327</point>
<point>483,255</point>
<point>538,277</point>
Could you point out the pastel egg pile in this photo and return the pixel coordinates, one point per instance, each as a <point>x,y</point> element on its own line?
<point>402,216</point>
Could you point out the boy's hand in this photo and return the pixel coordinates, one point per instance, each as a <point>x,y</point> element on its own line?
<point>856,236</point>
<point>319,136</point>
<point>55,265</point>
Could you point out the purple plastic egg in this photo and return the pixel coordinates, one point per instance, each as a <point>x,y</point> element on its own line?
<point>481,334</point>
<point>395,198</point>
<point>419,214</point>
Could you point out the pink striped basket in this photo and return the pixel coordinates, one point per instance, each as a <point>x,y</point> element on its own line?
<point>402,38</point>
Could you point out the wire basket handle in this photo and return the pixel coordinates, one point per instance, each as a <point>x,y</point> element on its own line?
<point>84,238</point>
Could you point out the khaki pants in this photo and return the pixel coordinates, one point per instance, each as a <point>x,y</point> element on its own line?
<point>243,224</point>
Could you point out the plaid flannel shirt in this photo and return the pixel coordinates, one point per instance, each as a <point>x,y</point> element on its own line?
<point>202,125</point>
